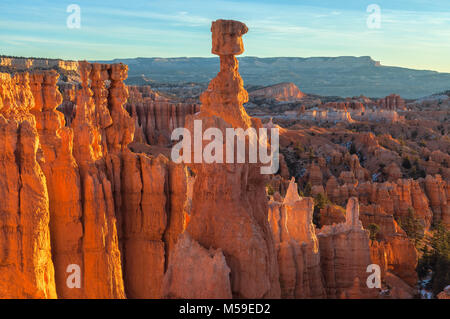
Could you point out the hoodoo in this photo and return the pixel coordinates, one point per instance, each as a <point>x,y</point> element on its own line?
<point>229,205</point>
<point>26,267</point>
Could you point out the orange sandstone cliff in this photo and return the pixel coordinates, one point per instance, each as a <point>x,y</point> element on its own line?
<point>78,196</point>
<point>229,204</point>
<point>26,266</point>
<point>297,246</point>
<point>345,255</point>
<point>142,226</point>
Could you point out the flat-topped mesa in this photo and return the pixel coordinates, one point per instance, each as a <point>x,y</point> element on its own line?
<point>282,92</point>
<point>22,64</point>
<point>226,95</point>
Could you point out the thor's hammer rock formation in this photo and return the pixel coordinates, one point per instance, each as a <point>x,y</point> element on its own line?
<point>229,205</point>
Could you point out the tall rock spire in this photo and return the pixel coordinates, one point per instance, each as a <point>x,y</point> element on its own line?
<point>226,95</point>
<point>229,204</point>
<point>352,213</point>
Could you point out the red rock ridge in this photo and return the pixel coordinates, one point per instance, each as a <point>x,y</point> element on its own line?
<point>283,92</point>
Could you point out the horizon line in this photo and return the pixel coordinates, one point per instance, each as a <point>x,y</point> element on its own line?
<point>216,57</point>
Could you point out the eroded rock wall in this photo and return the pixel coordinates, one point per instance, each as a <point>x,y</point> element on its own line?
<point>155,116</point>
<point>78,196</point>
<point>26,267</point>
<point>297,246</point>
<point>345,255</point>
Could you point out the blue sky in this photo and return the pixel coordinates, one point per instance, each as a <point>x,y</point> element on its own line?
<point>413,33</point>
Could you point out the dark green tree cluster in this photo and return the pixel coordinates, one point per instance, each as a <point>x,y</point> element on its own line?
<point>433,248</point>
<point>413,227</point>
<point>307,190</point>
<point>436,258</point>
<point>270,190</point>
<point>352,149</point>
<point>299,149</point>
<point>320,202</point>
<point>373,231</point>
<point>406,163</point>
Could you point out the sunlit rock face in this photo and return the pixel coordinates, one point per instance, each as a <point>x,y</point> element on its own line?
<point>62,177</point>
<point>345,255</point>
<point>141,226</point>
<point>154,116</point>
<point>84,198</point>
<point>226,95</point>
<point>144,198</point>
<point>183,277</point>
<point>26,267</point>
<point>297,246</point>
<point>22,64</point>
<point>101,256</point>
<point>229,204</point>
<point>283,92</point>
<point>438,192</point>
